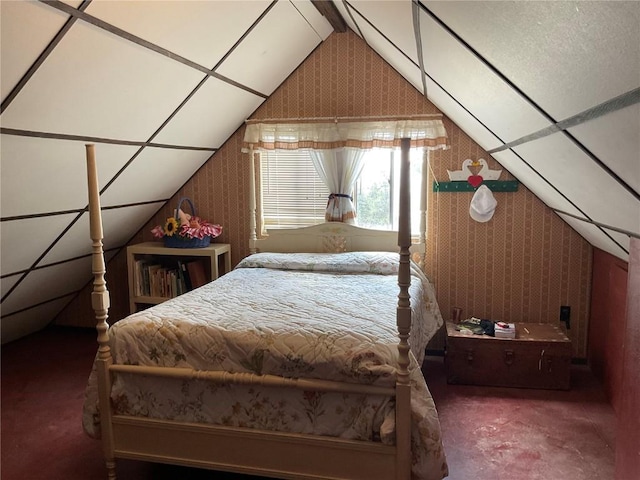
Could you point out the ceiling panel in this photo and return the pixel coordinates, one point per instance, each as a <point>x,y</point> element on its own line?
<point>584,182</point>
<point>32,25</point>
<point>545,191</point>
<point>553,199</point>
<point>36,161</point>
<point>389,36</point>
<point>20,324</point>
<point>7,282</point>
<point>394,19</point>
<point>44,284</point>
<point>615,139</point>
<point>475,86</point>
<point>599,239</point>
<point>215,111</point>
<point>97,84</point>
<point>400,62</point>
<point>119,226</point>
<point>268,55</point>
<point>23,241</point>
<point>461,117</point>
<point>155,174</point>
<point>200,31</point>
<point>548,48</point>
<point>317,21</point>
<point>623,240</point>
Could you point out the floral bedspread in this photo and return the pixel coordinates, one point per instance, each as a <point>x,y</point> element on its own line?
<point>327,316</point>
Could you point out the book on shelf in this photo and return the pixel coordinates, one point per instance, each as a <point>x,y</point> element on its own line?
<point>197,274</point>
<point>173,283</point>
<point>138,280</point>
<point>167,281</point>
<point>184,274</point>
<point>154,288</point>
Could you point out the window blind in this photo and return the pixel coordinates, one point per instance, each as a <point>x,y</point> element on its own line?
<point>293,195</point>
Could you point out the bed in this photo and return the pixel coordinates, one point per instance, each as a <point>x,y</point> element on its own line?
<point>296,365</point>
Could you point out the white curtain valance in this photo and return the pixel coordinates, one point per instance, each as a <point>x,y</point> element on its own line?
<point>428,133</point>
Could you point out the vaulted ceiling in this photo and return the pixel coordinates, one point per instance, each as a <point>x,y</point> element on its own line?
<point>550,89</point>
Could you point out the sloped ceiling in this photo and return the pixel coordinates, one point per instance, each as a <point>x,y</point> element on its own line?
<point>550,89</point>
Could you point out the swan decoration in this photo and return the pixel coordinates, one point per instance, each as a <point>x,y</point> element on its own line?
<point>487,174</point>
<point>472,175</point>
<point>461,175</point>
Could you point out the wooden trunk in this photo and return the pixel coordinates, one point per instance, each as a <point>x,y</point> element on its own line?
<point>539,357</point>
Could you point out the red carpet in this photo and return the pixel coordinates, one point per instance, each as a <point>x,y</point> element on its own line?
<point>489,433</point>
<point>493,433</point>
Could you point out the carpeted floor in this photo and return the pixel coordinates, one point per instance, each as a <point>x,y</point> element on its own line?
<point>493,433</point>
<point>489,433</point>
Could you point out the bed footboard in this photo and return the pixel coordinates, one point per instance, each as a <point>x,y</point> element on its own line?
<point>272,454</point>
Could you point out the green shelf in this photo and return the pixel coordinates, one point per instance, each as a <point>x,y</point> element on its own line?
<point>463,186</point>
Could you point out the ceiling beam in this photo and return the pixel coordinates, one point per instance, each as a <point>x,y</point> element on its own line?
<point>331,13</point>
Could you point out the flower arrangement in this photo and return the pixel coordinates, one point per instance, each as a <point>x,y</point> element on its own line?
<point>186,231</point>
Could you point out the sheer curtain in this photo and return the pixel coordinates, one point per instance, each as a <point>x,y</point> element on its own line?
<point>338,145</point>
<point>339,169</point>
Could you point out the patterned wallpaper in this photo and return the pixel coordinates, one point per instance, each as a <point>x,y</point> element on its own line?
<point>520,266</point>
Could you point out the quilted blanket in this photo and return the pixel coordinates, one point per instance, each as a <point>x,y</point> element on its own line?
<point>325,316</point>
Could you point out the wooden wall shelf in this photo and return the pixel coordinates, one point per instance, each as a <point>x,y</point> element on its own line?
<point>462,186</point>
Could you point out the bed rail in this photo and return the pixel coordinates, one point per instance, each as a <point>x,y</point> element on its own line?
<point>224,378</point>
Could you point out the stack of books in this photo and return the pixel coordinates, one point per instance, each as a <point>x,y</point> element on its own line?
<point>156,280</point>
<point>505,330</point>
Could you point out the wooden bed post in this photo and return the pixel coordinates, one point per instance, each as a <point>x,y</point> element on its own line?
<point>422,239</point>
<point>403,319</point>
<point>100,304</point>
<point>252,202</point>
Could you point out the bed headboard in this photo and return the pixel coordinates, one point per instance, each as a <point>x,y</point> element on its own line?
<point>330,237</point>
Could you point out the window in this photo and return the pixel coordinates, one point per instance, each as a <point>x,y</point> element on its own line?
<point>293,195</point>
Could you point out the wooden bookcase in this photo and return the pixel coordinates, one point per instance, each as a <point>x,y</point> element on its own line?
<point>145,259</point>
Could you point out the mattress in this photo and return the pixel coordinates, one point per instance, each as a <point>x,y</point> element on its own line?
<point>323,316</point>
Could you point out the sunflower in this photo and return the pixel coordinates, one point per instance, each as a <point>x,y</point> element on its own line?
<point>171,226</point>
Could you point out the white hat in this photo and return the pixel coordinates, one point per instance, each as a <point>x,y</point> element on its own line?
<point>482,204</point>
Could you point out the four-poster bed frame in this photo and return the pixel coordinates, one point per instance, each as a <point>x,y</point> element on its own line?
<point>272,454</point>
